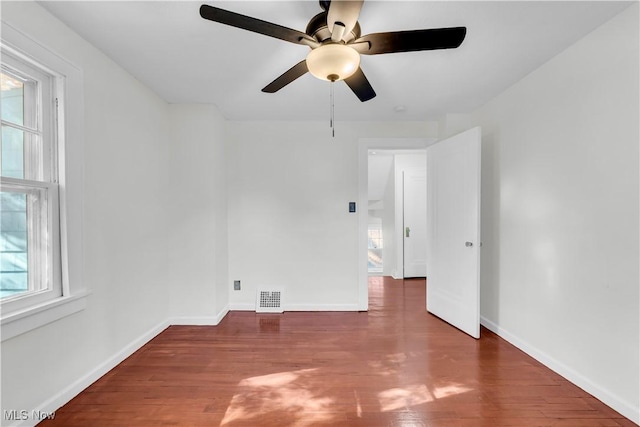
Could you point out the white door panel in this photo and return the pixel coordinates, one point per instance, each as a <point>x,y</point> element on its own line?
<point>453,231</point>
<point>414,221</point>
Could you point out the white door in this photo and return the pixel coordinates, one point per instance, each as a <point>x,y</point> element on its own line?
<point>414,200</point>
<point>453,231</point>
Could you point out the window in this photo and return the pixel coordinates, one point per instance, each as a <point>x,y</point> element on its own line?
<point>375,246</point>
<point>40,185</point>
<point>29,227</point>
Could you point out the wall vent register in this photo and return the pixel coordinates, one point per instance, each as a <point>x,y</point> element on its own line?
<point>269,301</point>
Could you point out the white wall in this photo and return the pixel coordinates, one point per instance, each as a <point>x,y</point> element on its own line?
<point>389,249</point>
<point>560,269</point>
<point>154,226</point>
<point>289,226</point>
<point>125,257</point>
<point>198,215</point>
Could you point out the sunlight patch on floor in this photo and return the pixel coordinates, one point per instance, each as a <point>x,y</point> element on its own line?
<point>417,394</point>
<point>287,393</point>
<point>398,398</point>
<point>449,390</point>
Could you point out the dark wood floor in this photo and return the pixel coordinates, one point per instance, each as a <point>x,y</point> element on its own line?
<point>393,366</point>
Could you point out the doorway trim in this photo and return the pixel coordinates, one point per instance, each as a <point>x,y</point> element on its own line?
<point>364,145</point>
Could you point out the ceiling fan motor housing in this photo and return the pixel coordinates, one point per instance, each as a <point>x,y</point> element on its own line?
<point>318,29</point>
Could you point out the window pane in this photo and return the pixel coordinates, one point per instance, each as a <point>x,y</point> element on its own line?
<point>12,99</point>
<point>12,152</point>
<point>21,154</point>
<point>375,247</point>
<point>19,99</point>
<point>14,277</point>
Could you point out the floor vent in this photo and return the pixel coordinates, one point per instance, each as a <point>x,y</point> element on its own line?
<point>269,301</point>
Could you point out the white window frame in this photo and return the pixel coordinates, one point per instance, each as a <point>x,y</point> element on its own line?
<point>64,197</point>
<point>39,182</point>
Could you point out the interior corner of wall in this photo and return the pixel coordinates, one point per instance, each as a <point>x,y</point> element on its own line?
<point>442,125</point>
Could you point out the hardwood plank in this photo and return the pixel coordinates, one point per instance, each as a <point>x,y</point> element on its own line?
<point>395,365</point>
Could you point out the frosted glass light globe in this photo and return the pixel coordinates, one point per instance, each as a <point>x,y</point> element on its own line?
<point>333,62</point>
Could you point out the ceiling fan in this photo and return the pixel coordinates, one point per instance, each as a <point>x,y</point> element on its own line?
<point>336,44</point>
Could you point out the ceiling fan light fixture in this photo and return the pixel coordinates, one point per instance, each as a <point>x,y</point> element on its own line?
<point>333,62</point>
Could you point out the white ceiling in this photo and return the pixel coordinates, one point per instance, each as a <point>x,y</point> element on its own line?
<point>186,59</point>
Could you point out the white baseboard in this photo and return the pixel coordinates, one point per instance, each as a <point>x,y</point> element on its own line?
<point>74,389</point>
<point>194,321</point>
<point>625,408</point>
<point>199,320</point>
<point>221,314</point>
<point>243,307</point>
<point>301,307</point>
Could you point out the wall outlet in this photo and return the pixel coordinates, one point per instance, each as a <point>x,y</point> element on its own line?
<point>236,285</point>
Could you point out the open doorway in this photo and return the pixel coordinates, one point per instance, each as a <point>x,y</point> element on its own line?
<point>396,231</point>
<point>383,166</point>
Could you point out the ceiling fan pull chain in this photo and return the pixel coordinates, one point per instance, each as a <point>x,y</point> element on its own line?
<point>332,112</point>
<point>331,105</point>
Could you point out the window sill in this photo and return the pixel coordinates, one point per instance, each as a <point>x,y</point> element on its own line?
<point>22,321</point>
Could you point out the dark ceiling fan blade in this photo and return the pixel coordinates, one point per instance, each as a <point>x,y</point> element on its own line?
<point>255,25</point>
<point>360,86</point>
<point>345,12</point>
<point>293,73</point>
<point>409,41</point>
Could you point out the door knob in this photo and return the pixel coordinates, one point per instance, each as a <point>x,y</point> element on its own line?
<point>407,231</point>
<point>468,244</point>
